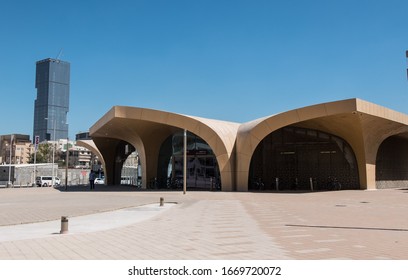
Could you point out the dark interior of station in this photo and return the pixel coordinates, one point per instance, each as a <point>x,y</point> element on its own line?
<point>300,159</point>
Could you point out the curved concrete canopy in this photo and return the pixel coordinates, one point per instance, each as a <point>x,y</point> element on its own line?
<point>362,124</point>
<point>90,145</point>
<point>146,130</point>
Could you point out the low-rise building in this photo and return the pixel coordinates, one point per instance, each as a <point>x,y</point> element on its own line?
<point>21,149</point>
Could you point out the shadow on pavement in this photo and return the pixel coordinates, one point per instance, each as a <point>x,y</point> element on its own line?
<point>339,227</point>
<point>98,188</point>
<point>120,188</point>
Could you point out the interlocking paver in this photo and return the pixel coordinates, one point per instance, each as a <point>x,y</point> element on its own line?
<point>214,225</point>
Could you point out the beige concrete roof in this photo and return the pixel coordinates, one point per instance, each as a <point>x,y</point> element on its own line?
<point>362,124</point>
<point>338,117</point>
<point>148,120</point>
<point>146,129</point>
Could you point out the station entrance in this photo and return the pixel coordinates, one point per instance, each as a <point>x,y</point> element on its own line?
<point>301,159</point>
<point>202,167</point>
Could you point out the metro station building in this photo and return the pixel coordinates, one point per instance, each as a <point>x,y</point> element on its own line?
<point>349,144</point>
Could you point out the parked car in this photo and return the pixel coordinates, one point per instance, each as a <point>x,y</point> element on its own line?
<point>46,181</point>
<point>99,181</point>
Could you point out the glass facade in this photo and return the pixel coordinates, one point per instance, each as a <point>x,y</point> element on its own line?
<point>202,167</point>
<point>52,104</point>
<point>294,158</point>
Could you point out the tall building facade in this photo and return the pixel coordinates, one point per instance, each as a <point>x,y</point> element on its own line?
<point>52,78</point>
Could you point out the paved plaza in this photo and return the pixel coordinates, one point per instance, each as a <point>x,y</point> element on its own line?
<point>122,223</point>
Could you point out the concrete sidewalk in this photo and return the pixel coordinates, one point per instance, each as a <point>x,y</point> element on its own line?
<point>83,224</point>
<point>208,225</point>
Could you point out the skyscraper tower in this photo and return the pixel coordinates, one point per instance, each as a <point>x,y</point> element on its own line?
<point>52,104</point>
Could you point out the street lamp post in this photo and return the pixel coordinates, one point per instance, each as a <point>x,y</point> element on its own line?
<point>66,165</point>
<point>36,143</point>
<point>11,150</point>
<point>53,156</point>
<point>53,150</point>
<point>185,161</point>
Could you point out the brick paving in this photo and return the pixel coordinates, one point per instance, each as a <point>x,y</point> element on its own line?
<point>213,225</point>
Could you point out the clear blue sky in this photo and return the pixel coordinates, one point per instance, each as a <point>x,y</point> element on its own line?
<point>225,59</point>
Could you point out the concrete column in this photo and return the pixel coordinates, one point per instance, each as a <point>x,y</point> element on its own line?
<point>370,176</point>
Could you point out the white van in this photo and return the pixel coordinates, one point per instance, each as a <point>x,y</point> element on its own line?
<point>46,181</point>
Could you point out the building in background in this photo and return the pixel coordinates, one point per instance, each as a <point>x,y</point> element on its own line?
<point>52,104</point>
<point>79,157</point>
<point>83,136</point>
<point>17,153</point>
<point>21,149</point>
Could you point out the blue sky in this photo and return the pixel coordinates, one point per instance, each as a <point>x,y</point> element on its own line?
<point>225,59</point>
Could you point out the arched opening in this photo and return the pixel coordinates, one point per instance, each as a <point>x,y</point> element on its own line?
<point>392,163</point>
<point>131,174</point>
<point>294,158</point>
<point>126,167</point>
<point>202,167</point>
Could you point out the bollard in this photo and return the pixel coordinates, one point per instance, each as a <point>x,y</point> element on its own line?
<point>277,184</point>
<point>311,183</point>
<point>161,201</point>
<point>64,225</point>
